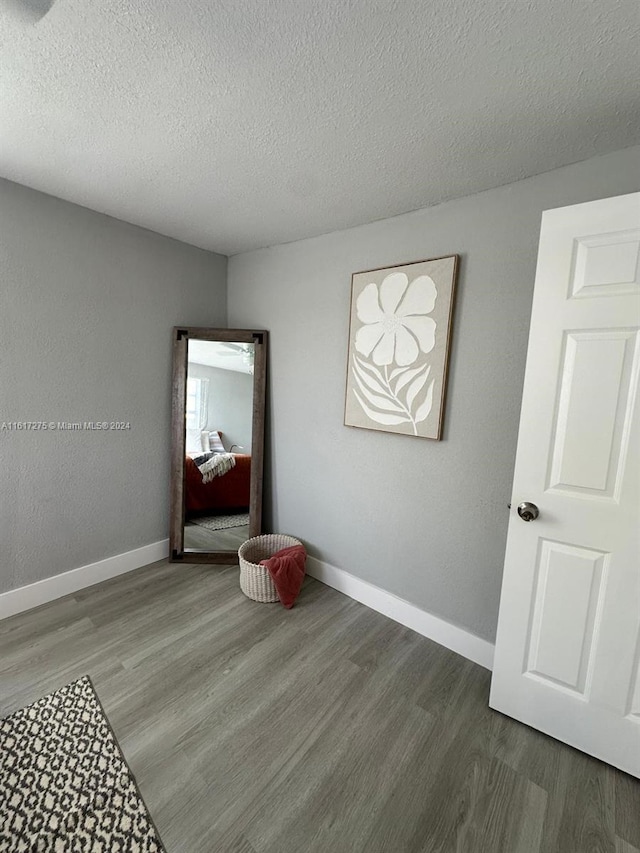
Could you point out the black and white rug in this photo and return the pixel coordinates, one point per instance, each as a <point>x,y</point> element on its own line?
<point>64,784</point>
<point>221,522</point>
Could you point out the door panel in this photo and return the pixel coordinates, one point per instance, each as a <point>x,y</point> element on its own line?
<point>607,264</point>
<point>596,397</point>
<point>566,604</point>
<point>568,649</point>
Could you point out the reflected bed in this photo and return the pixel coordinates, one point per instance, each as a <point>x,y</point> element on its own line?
<point>231,491</point>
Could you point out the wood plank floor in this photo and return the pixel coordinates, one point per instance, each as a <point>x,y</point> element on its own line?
<point>229,539</point>
<point>324,729</point>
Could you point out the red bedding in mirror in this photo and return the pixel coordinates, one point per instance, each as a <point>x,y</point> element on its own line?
<point>228,492</point>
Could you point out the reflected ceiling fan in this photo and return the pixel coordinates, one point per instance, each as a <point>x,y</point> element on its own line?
<point>235,349</point>
<point>244,351</point>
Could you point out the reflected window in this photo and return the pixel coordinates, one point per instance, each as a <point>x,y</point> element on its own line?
<point>196,412</point>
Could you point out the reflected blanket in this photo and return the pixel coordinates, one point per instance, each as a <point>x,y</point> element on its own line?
<point>218,465</point>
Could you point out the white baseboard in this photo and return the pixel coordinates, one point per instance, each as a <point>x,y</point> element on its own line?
<point>439,630</point>
<point>457,639</point>
<point>40,592</point>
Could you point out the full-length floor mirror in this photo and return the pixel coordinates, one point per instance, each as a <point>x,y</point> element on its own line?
<point>218,397</point>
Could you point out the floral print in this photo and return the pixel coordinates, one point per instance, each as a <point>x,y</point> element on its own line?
<point>395,326</point>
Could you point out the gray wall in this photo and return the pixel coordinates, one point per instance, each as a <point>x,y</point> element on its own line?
<point>230,404</point>
<point>424,520</point>
<point>86,309</point>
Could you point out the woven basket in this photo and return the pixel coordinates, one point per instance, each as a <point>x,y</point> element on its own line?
<point>255,580</point>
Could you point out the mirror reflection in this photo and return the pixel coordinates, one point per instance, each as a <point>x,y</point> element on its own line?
<point>218,418</point>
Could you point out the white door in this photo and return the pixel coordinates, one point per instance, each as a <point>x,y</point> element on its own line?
<point>568,647</point>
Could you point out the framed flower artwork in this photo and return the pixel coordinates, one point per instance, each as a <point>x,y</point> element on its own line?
<point>399,339</point>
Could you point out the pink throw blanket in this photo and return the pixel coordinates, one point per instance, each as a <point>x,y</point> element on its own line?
<point>286,568</point>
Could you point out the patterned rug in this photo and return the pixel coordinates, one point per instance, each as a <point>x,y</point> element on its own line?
<point>221,522</point>
<point>64,784</point>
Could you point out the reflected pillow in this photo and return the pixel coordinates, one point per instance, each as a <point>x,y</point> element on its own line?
<point>215,442</point>
<point>193,442</point>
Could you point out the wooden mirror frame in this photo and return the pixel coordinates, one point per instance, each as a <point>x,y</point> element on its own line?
<point>181,336</point>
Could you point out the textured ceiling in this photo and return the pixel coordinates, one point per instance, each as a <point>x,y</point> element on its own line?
<point>243,123</point>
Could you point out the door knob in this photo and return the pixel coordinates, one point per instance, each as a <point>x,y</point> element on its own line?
<point>528,511</point>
